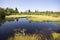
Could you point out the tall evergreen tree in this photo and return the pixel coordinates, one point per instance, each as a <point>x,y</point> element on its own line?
<point>16,10</point>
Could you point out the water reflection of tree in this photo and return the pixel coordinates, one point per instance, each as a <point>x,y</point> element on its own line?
<point>30,21</point>
<point>2,21</point>
<point>11,19</point>
<point>58,31</point>
<point>17,20</point>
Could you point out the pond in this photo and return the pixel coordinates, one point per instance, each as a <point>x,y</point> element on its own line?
<point>9,27</point>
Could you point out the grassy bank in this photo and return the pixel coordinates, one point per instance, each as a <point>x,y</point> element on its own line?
<point>15,16</point>
<point>23,37</point>
<point>38,18</point>
<point>18,36</point>
<point>44,18</point>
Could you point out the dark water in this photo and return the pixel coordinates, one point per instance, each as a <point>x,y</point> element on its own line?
<point>7,27</point>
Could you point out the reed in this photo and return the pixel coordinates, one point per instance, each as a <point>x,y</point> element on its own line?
<point>36,36</point>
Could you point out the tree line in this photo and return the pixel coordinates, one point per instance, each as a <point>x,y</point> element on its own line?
<point>9,11</point>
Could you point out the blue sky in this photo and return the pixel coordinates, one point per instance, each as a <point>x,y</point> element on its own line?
<point>41,5</point>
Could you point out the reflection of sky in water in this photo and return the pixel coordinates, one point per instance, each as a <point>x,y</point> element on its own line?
<point>7,29</point>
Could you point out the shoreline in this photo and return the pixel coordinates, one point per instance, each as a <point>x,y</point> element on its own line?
<point>38,18</point>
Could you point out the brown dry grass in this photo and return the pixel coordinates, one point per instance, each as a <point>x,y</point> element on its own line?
<point>38,18</point>
<point>36,36</point>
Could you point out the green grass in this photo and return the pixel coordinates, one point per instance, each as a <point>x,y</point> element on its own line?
<point>56,36</point>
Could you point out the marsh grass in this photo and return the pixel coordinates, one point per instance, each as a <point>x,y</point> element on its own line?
<point>36,36</point>
<point>38,18</point>
<point>56,36</point>
<point>23,37</point>
<point>44,18</point>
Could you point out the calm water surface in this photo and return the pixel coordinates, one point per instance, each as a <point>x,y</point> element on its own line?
<point>7,27</point>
